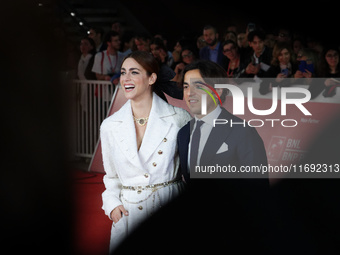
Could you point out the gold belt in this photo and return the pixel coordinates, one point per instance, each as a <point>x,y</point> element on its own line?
<point>151,186</point>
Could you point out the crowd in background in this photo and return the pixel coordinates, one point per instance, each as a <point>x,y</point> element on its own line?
<point>251,53</point>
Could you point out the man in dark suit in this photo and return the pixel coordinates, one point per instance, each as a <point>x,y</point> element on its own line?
<point>241,199</point>
<point>214,50</point>
<point>233,146</point>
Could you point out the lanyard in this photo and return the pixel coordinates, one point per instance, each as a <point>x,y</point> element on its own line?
<point>108,56</point>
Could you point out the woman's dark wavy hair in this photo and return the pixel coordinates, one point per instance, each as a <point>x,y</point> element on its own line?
<point>146,60</point>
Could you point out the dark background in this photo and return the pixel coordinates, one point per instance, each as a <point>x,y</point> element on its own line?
<point>175,18</point>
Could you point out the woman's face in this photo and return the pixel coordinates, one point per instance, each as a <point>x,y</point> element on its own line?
<point>187,56</point>
<point>229,51</point>
<point>135,81</point>
<point>332,58</point>
<point>284,57</point>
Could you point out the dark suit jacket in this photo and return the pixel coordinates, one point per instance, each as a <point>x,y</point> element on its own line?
<point>205,54</point>
<point>242,203</point>
<point>245,146</point>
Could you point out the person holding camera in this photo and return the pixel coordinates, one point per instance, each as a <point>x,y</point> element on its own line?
<point>282,67</point>
<point>260,57</point>
<point>329,70</point>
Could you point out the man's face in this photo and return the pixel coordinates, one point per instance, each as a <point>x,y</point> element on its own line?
<point>85,46</point>
<point>193,89</point>
<point>257,44</point>
<point>210,36</point>
<point>114,43</point>
<point>93,35</point>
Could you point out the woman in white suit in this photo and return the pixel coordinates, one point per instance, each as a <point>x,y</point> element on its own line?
<point>139,149</point>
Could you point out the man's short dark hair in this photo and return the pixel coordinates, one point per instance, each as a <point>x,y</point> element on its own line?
<point>206,27</point>
<point>208,70</point>
<point>109,35</point>
<point>98,30</point>
<point>159,42</point>
<point>259,33</point>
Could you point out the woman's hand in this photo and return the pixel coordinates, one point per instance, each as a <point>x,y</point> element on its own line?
<point>307,74</point>
<point>280,77</point>
<point>298,74</point>
<point>116,213</point>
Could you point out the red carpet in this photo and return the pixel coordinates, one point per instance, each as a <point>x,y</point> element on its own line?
<point>91,226</point>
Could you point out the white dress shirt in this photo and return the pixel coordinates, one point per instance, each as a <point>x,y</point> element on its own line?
<point>205,131</point>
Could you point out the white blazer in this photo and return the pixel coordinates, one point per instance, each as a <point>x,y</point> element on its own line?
<point>156,161</point>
